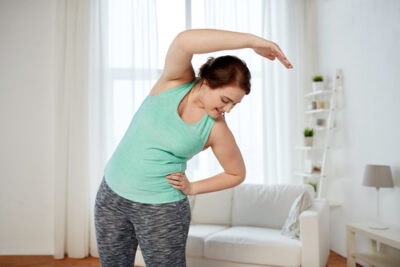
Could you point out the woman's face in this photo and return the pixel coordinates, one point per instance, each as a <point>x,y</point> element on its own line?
<point>222,99</point>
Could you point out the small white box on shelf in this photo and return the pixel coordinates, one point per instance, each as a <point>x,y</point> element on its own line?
<point>308,165</point>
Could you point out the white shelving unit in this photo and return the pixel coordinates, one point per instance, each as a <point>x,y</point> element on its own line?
<point>321,150</point>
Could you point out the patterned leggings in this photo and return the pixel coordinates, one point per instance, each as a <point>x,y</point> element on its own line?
<point>160,230</point>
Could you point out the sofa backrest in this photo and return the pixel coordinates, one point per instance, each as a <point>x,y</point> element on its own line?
<point>265,205</point>
<point>247,204</point>
<point>212,208</point>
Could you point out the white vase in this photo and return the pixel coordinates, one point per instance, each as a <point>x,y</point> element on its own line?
<point>317,86</point>
<point>308,140</point>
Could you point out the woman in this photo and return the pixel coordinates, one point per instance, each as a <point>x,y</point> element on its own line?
<point>142,199</point>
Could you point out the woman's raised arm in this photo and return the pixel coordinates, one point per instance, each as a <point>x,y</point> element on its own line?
<point>200,41</point>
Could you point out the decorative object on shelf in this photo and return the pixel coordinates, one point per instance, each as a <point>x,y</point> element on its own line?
<point>320,122</point>
<point>316,169</point>
<point>307,166</point>
<point>318,83</point>
<point>313,185</point>
<point>308,136</point>
<point>377,176</point>
<point>320,104</point>
<point>312,105</point>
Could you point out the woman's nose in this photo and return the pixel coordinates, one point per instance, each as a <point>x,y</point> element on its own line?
<point>228,108</point>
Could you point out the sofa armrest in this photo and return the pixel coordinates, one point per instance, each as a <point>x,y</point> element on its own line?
<point>314,234</point>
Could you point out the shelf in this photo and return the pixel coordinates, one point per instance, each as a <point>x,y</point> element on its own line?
<point>305,174</point>
<point>321,110</point>
<point>377,259</point>
<point>320,92</point>
<point>334,203</point>
<point>309,148</point>
<point>325,128</point>
<point>315,175</point>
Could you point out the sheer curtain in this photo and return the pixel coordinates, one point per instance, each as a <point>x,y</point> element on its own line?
<point>108,57</point>
<point>123,68</point>
<point>112,52</point>
<point>71,200</point>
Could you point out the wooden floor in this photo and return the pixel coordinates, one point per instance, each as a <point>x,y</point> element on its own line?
<point>335,260</point>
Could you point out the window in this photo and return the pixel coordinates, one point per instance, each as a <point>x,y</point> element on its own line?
<point>133,65</point>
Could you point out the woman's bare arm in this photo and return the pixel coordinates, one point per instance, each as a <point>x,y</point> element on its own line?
<point>228,155</point>
<point>199,41</point>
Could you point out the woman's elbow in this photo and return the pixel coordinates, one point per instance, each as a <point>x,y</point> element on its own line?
<point>242,175</point>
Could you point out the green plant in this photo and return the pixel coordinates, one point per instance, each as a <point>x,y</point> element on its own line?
<point>313,185</point>
<point>318,78</point>
<point>308,132</point>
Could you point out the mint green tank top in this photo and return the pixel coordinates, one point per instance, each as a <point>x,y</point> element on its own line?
<point>157,143</point>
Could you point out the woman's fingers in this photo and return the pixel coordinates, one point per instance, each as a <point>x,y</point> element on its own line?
<point>176,175</point>
<point>180,182</point>
<point>175,178</point>
<point>285,61</point>
<point>282,58</point>
<point>270,57</point>
<point>271,51</point>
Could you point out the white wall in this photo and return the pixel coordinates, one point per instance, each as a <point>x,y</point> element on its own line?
<point>363,38</point>
<point>27,42</point>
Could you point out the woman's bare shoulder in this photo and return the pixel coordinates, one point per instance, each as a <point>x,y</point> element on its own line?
<point>219,129</point>
<point>163,85</point>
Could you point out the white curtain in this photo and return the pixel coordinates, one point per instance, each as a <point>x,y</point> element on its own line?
<point>108,60</point>
<point>266,125</point>
<point>283,22</point>
<point>108,54</point>
<point>72,184</point>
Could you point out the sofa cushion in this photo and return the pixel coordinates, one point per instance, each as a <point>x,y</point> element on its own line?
<point>197,234</point>
<point>291,227</point>
<point>264,205</point>
<point>213,208</point>
<point>253,245</point>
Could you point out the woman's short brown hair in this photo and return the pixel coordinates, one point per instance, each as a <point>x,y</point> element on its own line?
<point>226,70</point>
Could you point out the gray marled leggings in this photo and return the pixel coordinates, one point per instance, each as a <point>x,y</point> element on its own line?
<point>160,230</point>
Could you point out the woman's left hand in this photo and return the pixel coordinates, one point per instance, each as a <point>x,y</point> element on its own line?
<point>181,182</point>
<point>270,50</point>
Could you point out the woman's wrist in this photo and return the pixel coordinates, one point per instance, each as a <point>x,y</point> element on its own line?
<point>253,40</point>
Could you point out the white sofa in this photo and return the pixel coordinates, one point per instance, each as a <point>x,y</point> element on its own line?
<point>241,227</point>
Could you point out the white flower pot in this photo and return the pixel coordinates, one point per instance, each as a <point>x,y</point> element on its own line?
<point>308,141</point>
<point>317,86</point>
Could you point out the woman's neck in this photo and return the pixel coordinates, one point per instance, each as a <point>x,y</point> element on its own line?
<point>194,99</point>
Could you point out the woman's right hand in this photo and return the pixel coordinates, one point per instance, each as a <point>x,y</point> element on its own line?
<point>270,50</point>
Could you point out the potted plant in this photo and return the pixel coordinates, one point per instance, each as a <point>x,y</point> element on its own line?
<point>308,136</point>
<point>318,83</point>
<point>314,185</point>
